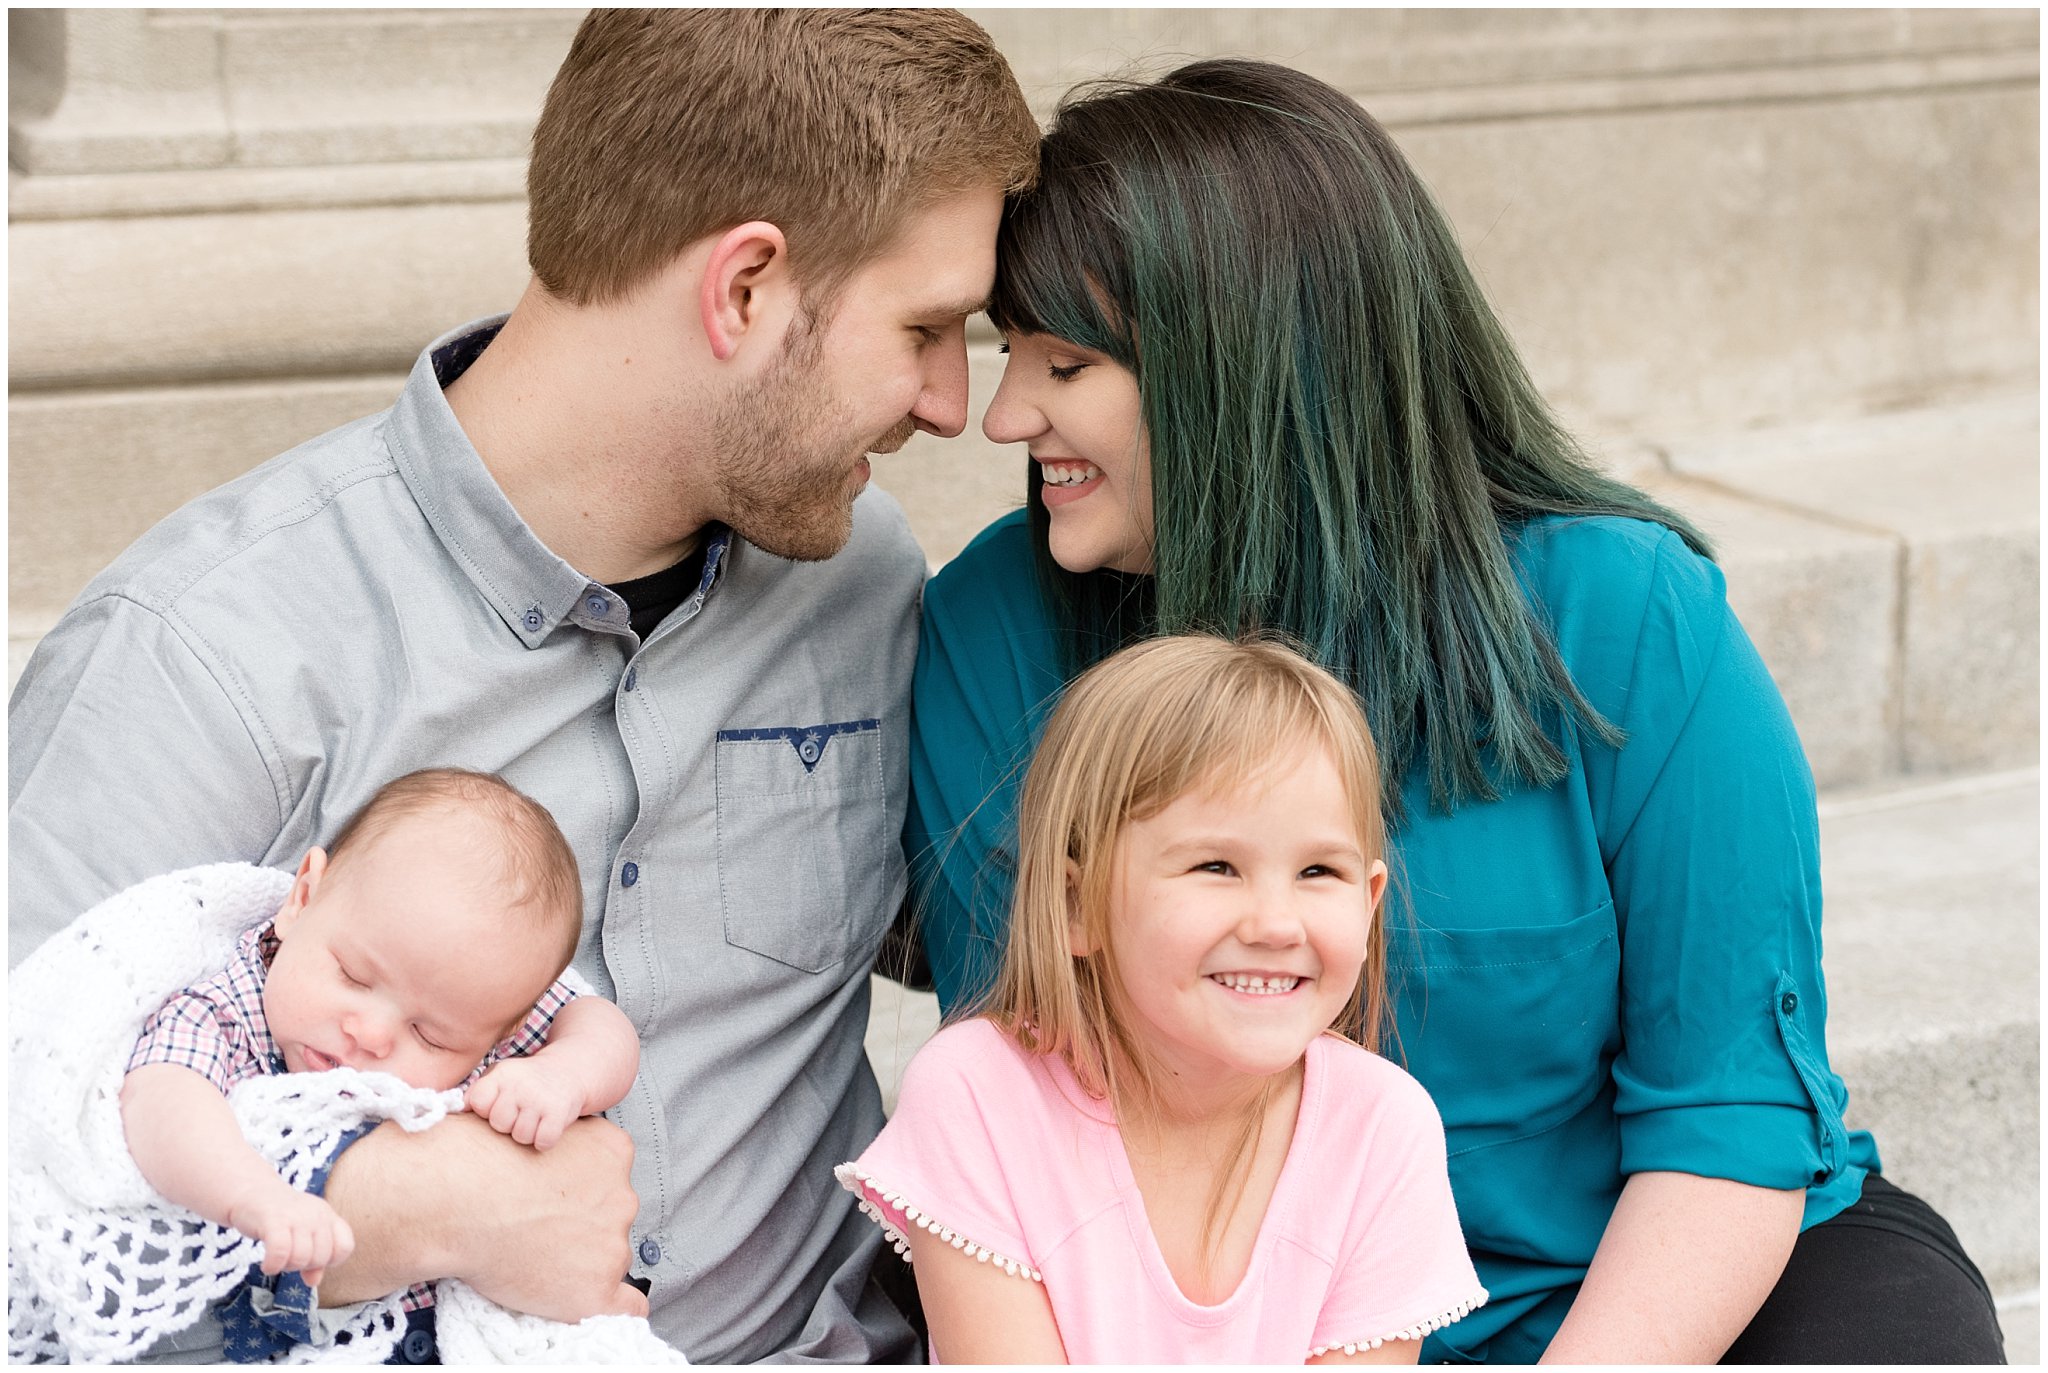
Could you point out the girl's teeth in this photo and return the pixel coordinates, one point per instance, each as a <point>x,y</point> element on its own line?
<point>1063,474</point>
<point>1256,985</point>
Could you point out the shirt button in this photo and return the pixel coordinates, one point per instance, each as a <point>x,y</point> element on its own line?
<point>418,1346</point>
<point>1789,1002</point>
<point>629,874</point>
<point>533,619</point>
<point>650,1253</point>
<point>597,605</point>
<point>632,677</point>
<point>808,750</point>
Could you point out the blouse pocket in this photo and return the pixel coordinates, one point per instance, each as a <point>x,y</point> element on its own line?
<point>1511,1029</point>
<point>805,857</point>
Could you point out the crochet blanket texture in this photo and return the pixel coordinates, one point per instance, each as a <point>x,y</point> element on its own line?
<point>99,1268</point>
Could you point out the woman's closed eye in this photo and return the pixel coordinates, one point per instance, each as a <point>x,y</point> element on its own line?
<point>1058,371</point>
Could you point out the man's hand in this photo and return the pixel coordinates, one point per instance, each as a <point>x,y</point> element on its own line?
<point>300,1233</point>
<point>531,1099</point>
<point>462,1201</point>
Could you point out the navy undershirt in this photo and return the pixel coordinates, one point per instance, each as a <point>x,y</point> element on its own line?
<point>649,599</point>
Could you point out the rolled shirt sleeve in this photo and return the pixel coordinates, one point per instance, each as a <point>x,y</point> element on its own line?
<point>1712,847</point>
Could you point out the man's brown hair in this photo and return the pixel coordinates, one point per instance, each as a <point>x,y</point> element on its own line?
<point>666,126</point>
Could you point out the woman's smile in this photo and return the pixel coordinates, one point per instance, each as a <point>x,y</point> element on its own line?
<point>1067,481</point>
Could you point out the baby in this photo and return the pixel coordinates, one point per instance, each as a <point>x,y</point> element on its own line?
<point>416,946</point>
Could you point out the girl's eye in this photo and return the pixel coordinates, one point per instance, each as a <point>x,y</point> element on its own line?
<point>1318,870</point>
<point>1058,373</point>
<point>1215,865</point>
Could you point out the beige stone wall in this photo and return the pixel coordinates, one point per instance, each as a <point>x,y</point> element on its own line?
<point>232,229</point>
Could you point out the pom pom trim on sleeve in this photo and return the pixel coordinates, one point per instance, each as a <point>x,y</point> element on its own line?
<point>861,1184</point>
<point>1413,1332</point>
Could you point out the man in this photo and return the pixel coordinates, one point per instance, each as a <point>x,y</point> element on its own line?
<point>617,550</point>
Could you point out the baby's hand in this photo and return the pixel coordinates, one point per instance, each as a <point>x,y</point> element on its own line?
<point>528,1099</point>
<point>301,1233</point>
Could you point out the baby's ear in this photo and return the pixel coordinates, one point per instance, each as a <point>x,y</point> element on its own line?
<point>312,868</point>
<point>1078,942</point>
<point>1375,884</point>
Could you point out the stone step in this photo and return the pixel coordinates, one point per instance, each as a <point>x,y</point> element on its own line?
<point>1933,947</point>
<point>1933,960</point>
<point>1897,551</point>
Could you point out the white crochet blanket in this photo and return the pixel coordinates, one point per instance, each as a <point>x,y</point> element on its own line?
<point>99,1268</point>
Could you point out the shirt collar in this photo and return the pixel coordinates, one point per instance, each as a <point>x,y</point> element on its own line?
<point>529,586</point>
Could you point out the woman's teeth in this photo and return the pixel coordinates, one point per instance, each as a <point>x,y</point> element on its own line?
<point>1256,985</point>
<point>1069,473</point>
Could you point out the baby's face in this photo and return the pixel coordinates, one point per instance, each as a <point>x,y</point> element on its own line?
<point>403,959</point>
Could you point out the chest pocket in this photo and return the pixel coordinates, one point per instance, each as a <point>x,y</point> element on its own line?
<point>804,852</point>
<point>1512,1029</point>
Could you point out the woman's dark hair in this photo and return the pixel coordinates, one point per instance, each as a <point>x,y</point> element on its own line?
<point>1341,433</point>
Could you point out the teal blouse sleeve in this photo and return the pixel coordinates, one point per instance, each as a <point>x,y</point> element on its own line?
<point>987,676</point>
<point>1708,832</point>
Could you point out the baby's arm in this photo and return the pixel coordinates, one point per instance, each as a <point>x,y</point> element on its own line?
<point>185,1140</point>
<point>586,1066</point>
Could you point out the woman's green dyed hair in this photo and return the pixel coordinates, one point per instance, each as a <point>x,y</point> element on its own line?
<point>1341,433</point>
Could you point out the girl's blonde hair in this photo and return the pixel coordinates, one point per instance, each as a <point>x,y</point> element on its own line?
<point>1134,733</point>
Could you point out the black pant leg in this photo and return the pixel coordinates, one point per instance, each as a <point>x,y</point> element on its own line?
<point>1884,1282</point>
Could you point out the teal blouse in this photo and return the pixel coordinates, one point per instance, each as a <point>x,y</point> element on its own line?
<point>1615,974</point>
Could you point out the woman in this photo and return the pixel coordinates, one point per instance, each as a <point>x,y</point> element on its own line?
<point>1261,389</point>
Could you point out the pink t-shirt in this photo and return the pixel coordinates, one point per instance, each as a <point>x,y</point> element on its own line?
<point>1003,1150</point>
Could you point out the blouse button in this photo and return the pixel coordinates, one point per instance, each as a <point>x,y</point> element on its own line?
<point>1789,1002</point>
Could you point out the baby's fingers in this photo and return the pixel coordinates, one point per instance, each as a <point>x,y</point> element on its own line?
<point>483,1095</point>
<point>549,1131</point>
<point>505,1116</point>
<point>285,1250</point>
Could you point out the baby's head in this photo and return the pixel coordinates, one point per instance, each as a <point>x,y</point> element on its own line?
<point>1200,855</point>
<point>425,933</point>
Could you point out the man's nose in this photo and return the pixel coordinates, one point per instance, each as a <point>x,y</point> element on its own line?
<point>942,405</point>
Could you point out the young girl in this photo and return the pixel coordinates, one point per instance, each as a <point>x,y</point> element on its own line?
<point>1155,1142</point>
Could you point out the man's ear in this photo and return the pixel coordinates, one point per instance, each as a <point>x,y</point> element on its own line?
<point>312,869</point>
<point>747,287</point>
<point>1078,942</point>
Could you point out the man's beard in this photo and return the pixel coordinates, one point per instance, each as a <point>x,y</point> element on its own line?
<point>786,463</point>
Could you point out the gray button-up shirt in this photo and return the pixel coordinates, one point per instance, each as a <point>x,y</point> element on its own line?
<point>248,673</point>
